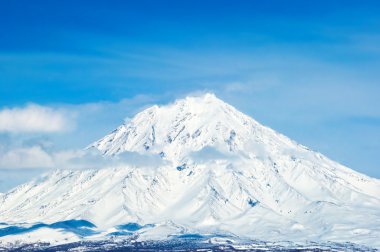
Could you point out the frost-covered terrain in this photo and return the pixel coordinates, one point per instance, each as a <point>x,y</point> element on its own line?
<point>211,173</point>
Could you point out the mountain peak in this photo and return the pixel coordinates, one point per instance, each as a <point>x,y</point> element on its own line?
<point>201,103</point>
<point>185,126</point>
<point>204,98</point>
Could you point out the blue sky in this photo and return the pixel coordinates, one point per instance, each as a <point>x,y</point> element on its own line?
<point>308,69</point>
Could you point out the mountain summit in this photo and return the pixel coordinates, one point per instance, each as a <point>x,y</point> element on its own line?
<point>189,125</point>
<point>224,173</point>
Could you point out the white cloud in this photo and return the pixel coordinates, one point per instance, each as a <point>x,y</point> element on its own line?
<point>33,118</point>
<point>36,157</point>
<point>26,157</point>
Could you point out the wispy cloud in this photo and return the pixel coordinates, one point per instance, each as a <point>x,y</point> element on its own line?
<point>26,157</point>
<point>33,118</point>
<point>36,157</point>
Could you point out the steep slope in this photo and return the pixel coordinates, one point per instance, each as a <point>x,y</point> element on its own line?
<point>194,124</point>
<point>223,172</point>
<point>188,125</point>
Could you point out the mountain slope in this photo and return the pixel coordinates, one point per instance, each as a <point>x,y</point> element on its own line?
<point>222,172</point>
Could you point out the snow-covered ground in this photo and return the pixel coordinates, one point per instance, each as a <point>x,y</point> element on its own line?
<point>209,170</point>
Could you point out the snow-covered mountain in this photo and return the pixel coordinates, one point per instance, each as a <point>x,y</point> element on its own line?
<point>218,171</point>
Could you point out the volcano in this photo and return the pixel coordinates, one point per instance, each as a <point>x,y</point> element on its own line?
<point>214,173</point>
